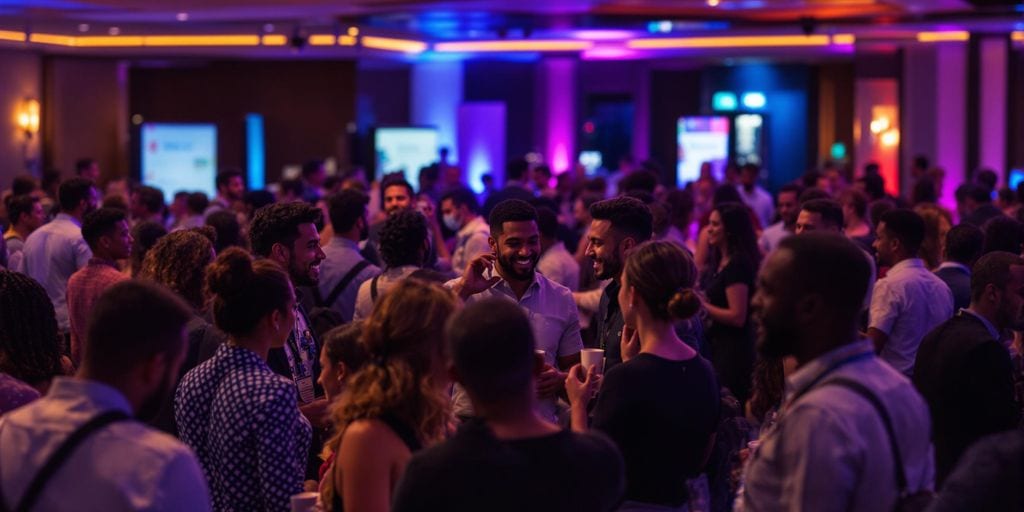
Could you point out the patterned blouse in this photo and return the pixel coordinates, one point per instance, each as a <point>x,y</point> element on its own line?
<point>244,424</point>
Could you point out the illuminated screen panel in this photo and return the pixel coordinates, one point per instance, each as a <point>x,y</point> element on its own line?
<point>702,139</point>
<point>179,157</point>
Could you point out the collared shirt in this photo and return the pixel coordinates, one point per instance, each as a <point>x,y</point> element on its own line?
<point>84,289</point>
<point>555,322</point>
<point>51,254</point>
<point>243,421</point>
<point>559,266</point>
<point>342,255</point>
<point>124,466</point>
<point>470,242</point>
<point>387,279</point>
<point>830,449</point>
<point>906,304</point>
<point>609,325</point>
<point>760,201</point>
<point>984,321</point>
<point>772,236</point>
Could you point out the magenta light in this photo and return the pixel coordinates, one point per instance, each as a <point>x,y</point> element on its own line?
<point>560,111</point>
<point>602,35</point>
<point>609,53</point>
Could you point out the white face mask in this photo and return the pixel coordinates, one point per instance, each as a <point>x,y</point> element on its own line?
<point>451,222</point>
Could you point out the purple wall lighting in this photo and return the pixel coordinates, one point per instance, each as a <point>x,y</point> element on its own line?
<point>559,94</point>
<point>481,142</point>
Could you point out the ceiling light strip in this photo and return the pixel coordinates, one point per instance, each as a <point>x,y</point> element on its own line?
<point>729,42</point>
<point>539,45</point>
<point>395,45</point>
<point>1017,36</point>
<point>8,35</point>
<point>274,40</point>
<point>943,37</point>
<point>322,40</point>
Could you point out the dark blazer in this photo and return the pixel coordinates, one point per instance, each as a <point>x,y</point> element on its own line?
<point>959,282</point>
<point>966,377</point>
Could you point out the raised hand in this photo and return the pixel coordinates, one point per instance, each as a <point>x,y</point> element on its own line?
<point>473,279</point>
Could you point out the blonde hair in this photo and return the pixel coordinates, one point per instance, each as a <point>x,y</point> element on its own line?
<point>404,339</point>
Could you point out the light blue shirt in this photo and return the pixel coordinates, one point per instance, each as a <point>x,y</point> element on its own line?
<point>50,255</point>
<point>342,255</point>
<point>124,466</point>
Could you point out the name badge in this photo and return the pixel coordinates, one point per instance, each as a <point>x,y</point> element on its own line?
<point>305,385</point>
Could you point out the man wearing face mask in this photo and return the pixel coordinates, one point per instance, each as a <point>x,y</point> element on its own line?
<point>619,225</point>
<point>344,269</point>
<point>84,429</point>
<point>509,273</point>
<point>460,211</point>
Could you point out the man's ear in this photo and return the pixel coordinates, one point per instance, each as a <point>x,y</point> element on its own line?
<point>280,253</point>
<point>493,243</point>
<point>628,244</point>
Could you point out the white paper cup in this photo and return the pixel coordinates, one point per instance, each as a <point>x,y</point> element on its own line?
<point>592,357</point>
<point>304,501</point>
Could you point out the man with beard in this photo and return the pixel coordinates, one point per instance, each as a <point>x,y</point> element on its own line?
<point>230,189</point>
<point>78,447</point>
<point>510,273</point>
<point>344,269</point>
<point>618,225</point>
<point>845,409</point>
<point>788,204</point>
<point>287,234</point>
<point>56,250</point>
<point>962,368</point>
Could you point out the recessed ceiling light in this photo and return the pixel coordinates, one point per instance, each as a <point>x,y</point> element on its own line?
<point>114,31</point>
<point>83,27</point>
<point>713,3</point>
<point>182,16</point>
<point>269,27</point>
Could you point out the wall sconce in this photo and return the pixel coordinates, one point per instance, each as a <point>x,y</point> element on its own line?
<point>28,117</point>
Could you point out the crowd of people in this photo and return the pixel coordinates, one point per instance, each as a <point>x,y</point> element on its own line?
<point>564,342</point>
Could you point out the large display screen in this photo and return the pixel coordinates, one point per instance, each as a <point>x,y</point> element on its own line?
<point>179,157</point>
<point>405,149</point>
<point>702,139</point>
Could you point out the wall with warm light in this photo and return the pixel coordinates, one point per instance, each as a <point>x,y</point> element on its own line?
<point>21,81</point>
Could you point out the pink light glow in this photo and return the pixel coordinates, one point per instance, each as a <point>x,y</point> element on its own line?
<point>602,35</point>
<point>609,53</point>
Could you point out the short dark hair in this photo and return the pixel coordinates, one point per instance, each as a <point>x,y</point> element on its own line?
<point>907,227</point>
<point>920,162</point>
<point>987,178</point>
<point>112,343</point>
<point>256,199</point>
<point>395,179</point>
<point>99,223</point>
<point>993,268</point>
<point>402,237</point>
<point>1002,233</point>
<point>794,188</point>
<point>311,166</point>
<point>224,177</point>
<point>510,210</point>
<point>23,184</point>
<point>831,212</point>
<point>492,348</point>
<point>82,164</point>
<point>811,194</point>
<point>639,180</point>
<point>874,184</point>
<point>345,208</point>
<point>964,243</point>
<point>20,205</point>
<point>725,194</point>
<point>279,224</point>
<point>72,192</point>
<point>818,258</point>
<point>629,216</point>
<point>292,187</point>
<point>924,191</point>
<point>547,222</point>
<point>197,202</point>
<point>973,191</point>
<point>228,230</point>
<point>857,199</point>
<point>462,196</point>
<point>516,169</point>
<point>152,198</point>
<point>681,204</point>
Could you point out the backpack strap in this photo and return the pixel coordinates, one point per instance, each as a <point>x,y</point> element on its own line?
<point>58,458</point>
<point>883,413</point>
<point>373,288</point>
<point>341,286</point>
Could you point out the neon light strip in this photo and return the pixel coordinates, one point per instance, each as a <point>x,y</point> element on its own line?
<point>396,45</point>
<point>728,42</point>
<point>7,35</point>
<point>515,46</point>
<point>940,37</point>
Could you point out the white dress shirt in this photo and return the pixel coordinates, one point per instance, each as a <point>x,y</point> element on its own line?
<point>830,450</point>
<point>124,466</point>
<point>906,305</point>
<point>555,322</point>
<point>470,242</point>
<point>559,266</point>
<point>51,254</point>
<point>760,201</point>
<point>772,235</point>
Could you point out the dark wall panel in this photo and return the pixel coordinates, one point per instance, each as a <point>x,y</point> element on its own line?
<point>512,83</point>
<point>673,94</point>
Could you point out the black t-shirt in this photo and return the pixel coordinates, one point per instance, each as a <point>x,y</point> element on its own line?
<point>661,413</point>
<point>475,471</point>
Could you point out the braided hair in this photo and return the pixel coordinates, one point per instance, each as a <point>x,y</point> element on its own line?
<point>29,344</point>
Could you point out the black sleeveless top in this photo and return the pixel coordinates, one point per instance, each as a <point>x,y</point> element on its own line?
<point>402,430</point>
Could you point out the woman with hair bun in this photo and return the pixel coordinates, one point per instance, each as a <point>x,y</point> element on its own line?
<point>661,405</point>
<point>242,419</point>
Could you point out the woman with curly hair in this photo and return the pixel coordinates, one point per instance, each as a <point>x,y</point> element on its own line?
<point>30,352</point>
<point>397,403</point>
<point>179,261</point>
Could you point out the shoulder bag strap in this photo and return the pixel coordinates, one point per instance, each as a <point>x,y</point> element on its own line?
<point>867,394</point>
<point>60,456</point>
<point>343,284</point>
<point>373,288</point>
